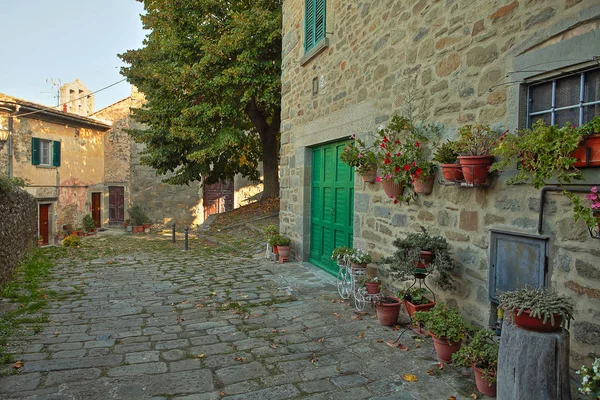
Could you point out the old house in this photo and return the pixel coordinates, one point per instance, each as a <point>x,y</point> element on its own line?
<point>349,66</point>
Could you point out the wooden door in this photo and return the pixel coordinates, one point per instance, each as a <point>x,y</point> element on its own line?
<point>332,205</point>
<point>116,204</point>
<point>44,223</point>
<point>218,198</point>
<point>96,210</point>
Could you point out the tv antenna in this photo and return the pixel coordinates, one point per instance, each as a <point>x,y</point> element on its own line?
<point>54,84</point>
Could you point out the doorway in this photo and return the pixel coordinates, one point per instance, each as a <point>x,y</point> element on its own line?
<point>218,198</point>
<point>44,222</point>
<point>116,205</point>
<point>96,209</point>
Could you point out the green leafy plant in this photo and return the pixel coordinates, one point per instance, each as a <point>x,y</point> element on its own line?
<point>480,351</point>
<point>279,240</point>
<point>446,153</point>
<point>403,261</point>
<point>88,223</point>
<point>358,256</point>
<point>8,184</point>
<point>590,379</point>
<point>356,154</point>
<point>542,303</point>
<point>591,127</point>
<point>417,296</point>
<point>340,253</point>
<point>270,230</point>
<point>476,140</point>
<point>71,241</point>
<point>137,215</point>
<point>443,322</point>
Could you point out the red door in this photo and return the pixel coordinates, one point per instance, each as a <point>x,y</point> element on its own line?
<point>96,214</point>
<point>218,198</point>
<point>116,204</point>
<point>43,220</point>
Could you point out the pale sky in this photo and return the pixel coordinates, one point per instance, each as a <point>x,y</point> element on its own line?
<point>63,40</point>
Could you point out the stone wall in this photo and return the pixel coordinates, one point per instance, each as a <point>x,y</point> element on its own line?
<point>452,62</point>
<point>18,228</point>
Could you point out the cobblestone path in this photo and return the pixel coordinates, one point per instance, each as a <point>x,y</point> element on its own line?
<point>142,319</point>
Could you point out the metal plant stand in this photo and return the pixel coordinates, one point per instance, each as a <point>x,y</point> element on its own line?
<point>348,284</point>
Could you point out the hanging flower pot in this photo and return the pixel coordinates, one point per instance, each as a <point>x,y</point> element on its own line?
<point>388,309</point>
<point>475,168</point>
<point>411,308</point>
<point>484,387</point>
<point>452,172</point>
<point>392,189</point>
<point>370,176</point>
<point>423,185</point>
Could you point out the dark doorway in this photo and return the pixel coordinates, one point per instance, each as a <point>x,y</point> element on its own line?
<point>116,205</point>
<point>43,221</point>
<point>218,198</point>
<point>96,210</point>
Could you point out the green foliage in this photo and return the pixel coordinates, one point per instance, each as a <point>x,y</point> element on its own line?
<point>356,154</point>
<point>71,241</point>
<point>270,230</point>
<point>137,215</point>
<point>541,302</point>
<point>403,261</point>
<point>591,127</point>
<point>590,380</point>
<point>480,351</point>
<point>443,322</point>
<point>446,153</point>
<point>7,184</point>
<point>211,75</point>
<point>88,223</point>
<point>476,140</point>
<point>340,253</point>
<point>279,240</point>
<point>415,295</point>
<point>357,256</point>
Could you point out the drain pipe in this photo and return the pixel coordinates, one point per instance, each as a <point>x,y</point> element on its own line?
<point>579,189</point>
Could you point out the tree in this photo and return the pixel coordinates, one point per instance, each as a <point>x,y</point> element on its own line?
<point>210,72</point>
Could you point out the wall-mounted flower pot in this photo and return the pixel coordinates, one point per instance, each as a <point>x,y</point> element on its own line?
<point>444,348</point>
<point>452,172</point>
<point>588,152</point>
<point>483,385</point>
<point>423,185</point>
<point>392,189</point>
<point>370,176</point>
<point>410,308</point>
<point>387,312</point>
<point>475,168</point>
<point>529,323</point>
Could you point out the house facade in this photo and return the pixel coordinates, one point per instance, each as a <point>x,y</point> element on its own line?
<point>348,67</point>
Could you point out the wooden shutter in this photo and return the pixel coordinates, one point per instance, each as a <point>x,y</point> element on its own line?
<point>309,24</point>
<point>319,20</point>
<point>56,153</point>
<point>35,151</point>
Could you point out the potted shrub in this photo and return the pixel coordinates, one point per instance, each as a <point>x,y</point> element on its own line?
<point>587,153</point>
<point>474,147</point>
<point>138,218</point>
<point>538,309</point>
<point>373,285</point>
<point>280,244</point>
<point>78,232</point>
<point>364,161</point>
<point>446,328</point>
<point>419,255</point>
<point>388,309</point>
<point>270,230</point>
<point>340,255</point>
<point>415,299</point>
<point>447,157</point>
<point>89,225</point>
<point>358,258</point>
<point>481,353</point>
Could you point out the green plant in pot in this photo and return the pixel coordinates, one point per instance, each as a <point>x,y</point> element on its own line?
<point>416,299</point>
<point>420,254</point>
<point>356,154</point>
<point>372,285</point>
<point>474,146</point>
<point>340,255</point>
<point>447,156</point>
<point>388,309</point>
<point>445,326</point>
<point>481,353</point>
<point>540,309</point>
<point>280,243</point>
<point>138,218</point>
<point>270,230</point>
<point>587,153</point>
<point>359,258</point>
<point>88,223</point>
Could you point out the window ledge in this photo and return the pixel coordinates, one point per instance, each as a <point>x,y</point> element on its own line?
<point>46,166</point>
<point>312,53</point>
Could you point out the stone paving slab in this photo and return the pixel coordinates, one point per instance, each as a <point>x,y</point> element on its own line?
<point>162,324</point>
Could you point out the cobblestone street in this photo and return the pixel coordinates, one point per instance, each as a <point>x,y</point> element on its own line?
<point>138,318</point>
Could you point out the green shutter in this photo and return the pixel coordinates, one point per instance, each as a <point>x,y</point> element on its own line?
<point>319,20</point>
<point>56,154</point>
<point>309,25</point>
<point>35,151</point>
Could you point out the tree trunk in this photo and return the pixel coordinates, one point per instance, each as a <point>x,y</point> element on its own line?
<point>270,165</point>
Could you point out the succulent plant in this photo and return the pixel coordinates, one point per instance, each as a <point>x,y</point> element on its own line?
<point>542,304</point>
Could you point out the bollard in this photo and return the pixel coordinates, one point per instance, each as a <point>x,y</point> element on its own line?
<point>186,238</point>
<point>173,226</point>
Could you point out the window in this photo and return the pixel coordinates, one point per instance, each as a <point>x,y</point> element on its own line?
<point>45,152</point>
<point>314,23</point>
<point>574,98</point>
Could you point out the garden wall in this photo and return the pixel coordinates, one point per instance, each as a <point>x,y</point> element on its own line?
<point>18,227</point>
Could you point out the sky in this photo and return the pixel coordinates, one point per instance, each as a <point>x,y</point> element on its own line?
<point>64,40</point>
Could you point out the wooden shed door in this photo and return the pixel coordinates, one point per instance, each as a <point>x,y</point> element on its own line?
<point>96,211</point>
<point>218,198</point>
<point>332,205</point>
<point>116,204</point>
<point>43,221</point>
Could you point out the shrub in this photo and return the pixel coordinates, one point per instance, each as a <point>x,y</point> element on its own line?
<point>88,223</point>
<point>443,322</point>
<point>279,240</point>
<point>138,215</point>
<point>270,230</point>
<point>71,241</point>
<point>481,352</point>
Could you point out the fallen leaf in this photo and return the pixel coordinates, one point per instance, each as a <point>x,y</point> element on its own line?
<point>283,331</point>
<point>417,346</point>
<point>379,340</point>
<point>474,396</point>
<point>294,317</point>
<point>184,302</point>
<point>430,372</point>
<point>356,317</point>
<point>201,356</point>
<point>18,364</point>
<point>239,359</point>
<point>274,331</point>
<point>410,378</point>
<point>402,347</point>
<point>273,346</point>
<point>221,394</point>
<point>321,340</point>
<point>313,358</point>
<point>362,335</point>
<point>246,317</point>
<point>441,365</point>
<point>337,315</point>
<point>396,328</point>
<point>452,398</point>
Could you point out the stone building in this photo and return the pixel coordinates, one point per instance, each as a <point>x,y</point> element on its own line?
<point>349,66</point>
<point>76,98</point>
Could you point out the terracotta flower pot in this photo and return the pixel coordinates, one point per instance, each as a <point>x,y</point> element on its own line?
<point>146,226</point>
<point>387,313</point>
<point>372,287</point>
<point>425,258</point>
<point>410,308</point>
<point>284,251</point>
<point>370,176</point>
<point>585,159</point>
<point>423,185</point>
<point>525,321</point>
<point>358,266</point>
<point>392,189</point>
<point>445,349</point>
<point>275,249</point>
<point>138,229</point>
<point>475,168</point>
<point>484,386</point>
<point>452,172</point>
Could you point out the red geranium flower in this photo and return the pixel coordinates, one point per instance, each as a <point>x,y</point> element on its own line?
<point>406,167</point>
<point>387,161</point>
<point>397,169</point>
<point>414,164</point>
<point>382,145</point>
<point>385,139</point>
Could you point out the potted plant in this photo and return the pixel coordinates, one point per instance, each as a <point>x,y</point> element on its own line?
<point>538,309</point>
<point>40,241</point>
<point>447,156</point>
<point>270,230</point>
<point>481,353</point>
<point>446,328</point>
<point>359,258</point>
<point>388,309</point>
<point>138,218</point>
<point>78,231</point>
<point>89,225</point>
<point>373,285</point>
<point>419,255</point>
<point>280,244</point>
<point>415,299</point>
<point>587,153</point>
<point>474,147</point>
<point>590,380</point>
<point>340,255</point>
<point>364,161</point>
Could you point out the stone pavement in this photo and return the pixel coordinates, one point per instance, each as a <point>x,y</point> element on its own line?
<point>154,322</point>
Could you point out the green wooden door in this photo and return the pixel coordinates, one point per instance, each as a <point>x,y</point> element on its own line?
<point>332,205</point>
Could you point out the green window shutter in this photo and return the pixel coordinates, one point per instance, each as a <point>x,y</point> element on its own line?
<point>319,20</point>
<point>35,151</point>
<point>309,24</point>
<point>56,154</point>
